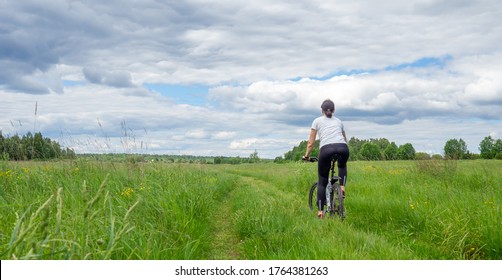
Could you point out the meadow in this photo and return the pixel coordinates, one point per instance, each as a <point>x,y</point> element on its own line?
<point>92,209</point>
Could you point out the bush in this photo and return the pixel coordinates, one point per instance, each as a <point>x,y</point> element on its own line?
<point>422,156</point>
<point>437,156</point>
<point>279,160</point>
<point>436,167</point>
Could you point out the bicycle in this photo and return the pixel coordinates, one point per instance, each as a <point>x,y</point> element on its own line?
<point>333,192</point>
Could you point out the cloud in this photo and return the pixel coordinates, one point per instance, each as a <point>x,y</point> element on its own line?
<point>245,143</point>
<point>198,42</point>
<point>385,97</point>
<point>114,79</point>
<point>197,134</point>
<point>224,135</point>
<point>406,65</point>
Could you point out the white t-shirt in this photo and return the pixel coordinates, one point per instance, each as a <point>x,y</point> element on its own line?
<point>329,130</point>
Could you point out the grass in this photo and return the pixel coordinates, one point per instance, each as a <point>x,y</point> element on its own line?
<point>87,209</point>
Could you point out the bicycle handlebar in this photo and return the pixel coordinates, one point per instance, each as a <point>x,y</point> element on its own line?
<point>311,159</point>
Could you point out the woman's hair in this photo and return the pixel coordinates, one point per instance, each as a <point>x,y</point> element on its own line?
<point>328,108</point>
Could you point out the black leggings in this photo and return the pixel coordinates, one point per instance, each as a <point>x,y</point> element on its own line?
<point>325,155</point>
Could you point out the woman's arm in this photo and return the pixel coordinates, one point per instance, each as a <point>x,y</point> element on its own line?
<point>310,144</point>
<point>345,137</point>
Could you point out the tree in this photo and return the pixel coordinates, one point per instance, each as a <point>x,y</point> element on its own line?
<point>68,153</point>
<point>12,147</point>
<point>29,150</point>
<point>31,147</point>
<point>355,146</point>
<point>253,158</point>
<point>406,152</point>
<point>497,149</point>
<point>390,152</point>
<point>370,151</point>
<point>486,148</point>
<point>455,149</point>
<point>298,151</point>
<point>382,143</point>
<point>3,154</point>
<point>38,145</point>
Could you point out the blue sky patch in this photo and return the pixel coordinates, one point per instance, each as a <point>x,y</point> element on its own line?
<point>424,62</point>
<point>181,94</point>
<point>68,83</point>
<point>439,62</point>
<point>337,73</point>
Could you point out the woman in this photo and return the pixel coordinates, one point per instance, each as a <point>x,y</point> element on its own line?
<point>332,141</point>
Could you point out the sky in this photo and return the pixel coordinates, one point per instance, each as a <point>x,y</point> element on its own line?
<point>228,78</point>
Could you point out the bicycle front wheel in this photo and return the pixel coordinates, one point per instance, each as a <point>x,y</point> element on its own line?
<point>313,197</point>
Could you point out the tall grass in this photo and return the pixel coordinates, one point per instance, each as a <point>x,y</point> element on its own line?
<point>98,210</point>
<point>450,213</point>
<point>88,209</point>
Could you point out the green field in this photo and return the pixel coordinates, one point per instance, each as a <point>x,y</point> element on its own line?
<point>89,209</point>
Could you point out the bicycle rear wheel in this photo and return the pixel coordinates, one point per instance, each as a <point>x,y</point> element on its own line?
<point>338,201</point>
<point>332,200</point>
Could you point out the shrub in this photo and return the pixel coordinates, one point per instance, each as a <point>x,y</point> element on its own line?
<point>422,156</point>
<point>436,167</point>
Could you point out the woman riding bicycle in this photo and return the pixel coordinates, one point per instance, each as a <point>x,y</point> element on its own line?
<point>332,141</point>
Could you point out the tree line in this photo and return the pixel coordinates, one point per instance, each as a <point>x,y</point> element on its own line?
<point>30,147</point>
<point>380,149</point>
<point>489,148</point>
<point>372,149</point>
<point>383,149</point>
<point>144,158</point>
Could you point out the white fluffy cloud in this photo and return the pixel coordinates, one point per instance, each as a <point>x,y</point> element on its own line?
<point>386,96</point>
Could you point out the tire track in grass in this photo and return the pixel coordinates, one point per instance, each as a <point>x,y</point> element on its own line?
<point>272,221</point>
<point>226,243</point>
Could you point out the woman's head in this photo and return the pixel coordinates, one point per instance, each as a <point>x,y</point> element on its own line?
<point>328,108</point>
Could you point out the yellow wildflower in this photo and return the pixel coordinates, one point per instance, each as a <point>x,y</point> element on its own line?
<point>127,192</point>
